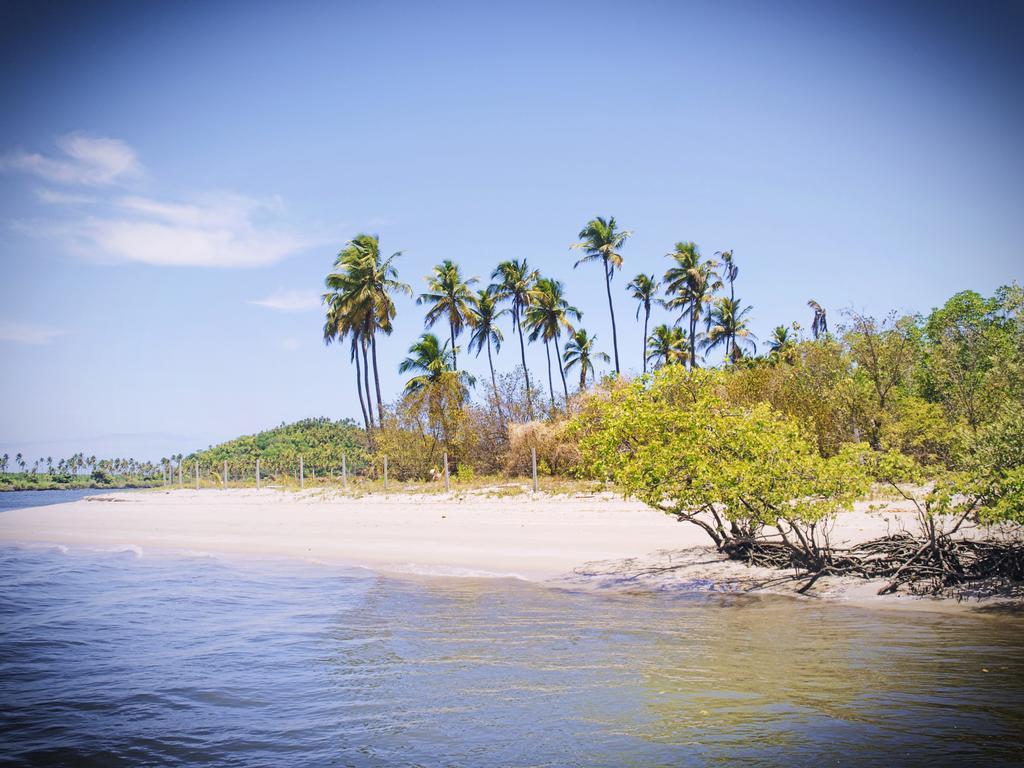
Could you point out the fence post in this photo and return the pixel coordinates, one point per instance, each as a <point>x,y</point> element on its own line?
<point>447,487</point>
<point>196,465</point>
<point>344,469</point>
<point>302,475</point>
<point>257,474</point>
<point>533,458</point>
<point>385,471</point>
<point>181,476</point>
<point>225,475</point>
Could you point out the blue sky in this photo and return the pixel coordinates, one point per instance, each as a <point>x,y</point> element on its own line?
<point>176,178</point>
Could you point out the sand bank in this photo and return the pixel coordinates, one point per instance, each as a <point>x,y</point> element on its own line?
<point>593,540</point>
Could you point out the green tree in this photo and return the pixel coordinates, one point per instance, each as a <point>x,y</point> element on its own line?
<point>819,325</point>
<point>644,290</point>
<point>437,387</point>
<point>781,346</point>
<point>515,280</point>
<point>690,283</point>
<point>483,320</point>
<point>546,317</point>
<point>667,345</point>
<point>601,240</point>
<point>448,296</point>
<point>728,324</point>
<point>579,351</point>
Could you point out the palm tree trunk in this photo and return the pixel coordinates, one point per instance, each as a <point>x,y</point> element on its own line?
<point>494,380</point>
<point>376,378</point>
<point>359,391</point>
<point>455,358</point>
<point>647,317</point>
<point>561,372</point>
<point>522,353</point>
<point>693,334</point>
<point>551,383</point>
<point>611,311</point>
<point>583,376</point>
<point>366,383</point>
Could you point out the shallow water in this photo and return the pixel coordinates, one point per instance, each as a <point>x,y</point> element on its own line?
<point>116,659</point>
<point>22,499</point>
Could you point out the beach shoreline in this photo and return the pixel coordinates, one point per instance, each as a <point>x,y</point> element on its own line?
<point>593,541</point>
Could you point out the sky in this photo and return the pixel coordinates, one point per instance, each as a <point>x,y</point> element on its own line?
<point>177,178</point>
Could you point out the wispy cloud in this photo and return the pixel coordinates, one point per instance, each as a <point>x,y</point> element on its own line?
<point>220,229</point>
<point>87,160</point>
<point>290,300</point>
<point>21,333</point>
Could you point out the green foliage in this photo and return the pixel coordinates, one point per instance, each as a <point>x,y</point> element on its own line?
<point>679,445</point>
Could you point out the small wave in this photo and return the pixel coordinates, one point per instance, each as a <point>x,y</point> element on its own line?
<point>452,571</point>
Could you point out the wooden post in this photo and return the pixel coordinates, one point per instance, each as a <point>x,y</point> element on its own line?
<point>181,476</point>
<point>302,475</point>
<point>533,458</point>
<point>385,471</point>
<point>447,486</point>
<point>196,465</point>
<point>344,469</point>
<point>257,474</point>
<point>225,475</point>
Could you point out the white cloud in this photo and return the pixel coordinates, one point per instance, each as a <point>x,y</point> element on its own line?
<point>88,160</point>
<point>53,197</point>
<point>290,300</point>
<point>20,333</point>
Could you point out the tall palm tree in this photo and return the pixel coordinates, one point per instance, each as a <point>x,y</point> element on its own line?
<point>819,326</point>
<point>483,321</point>
<point>691,283</point>
<point>579,350</point>
<point>546,317</point>
<point>448,296</point>
<point>667,345</point>
<point>730,271</point>
<point>644,288</point>
<point>437,385</point>
<point>781,346</point>
<point>360,304</point>
<point>728,324</point>
<point>515,279</point>
<point>601,240</point>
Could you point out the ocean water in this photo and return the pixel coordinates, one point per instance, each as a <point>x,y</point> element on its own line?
<point>22,499</point>
<point>129,658</point>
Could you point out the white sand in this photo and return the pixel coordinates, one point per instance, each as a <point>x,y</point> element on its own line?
<point>533,537</point>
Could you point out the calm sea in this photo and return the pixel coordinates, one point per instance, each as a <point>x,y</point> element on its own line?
<point>22,499</point>
<point>127,658</point>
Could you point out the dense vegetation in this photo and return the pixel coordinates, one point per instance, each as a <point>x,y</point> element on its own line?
<point>761,451</point>
<point>78,471</point>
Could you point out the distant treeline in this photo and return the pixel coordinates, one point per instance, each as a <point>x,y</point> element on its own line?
<point>77,471</point>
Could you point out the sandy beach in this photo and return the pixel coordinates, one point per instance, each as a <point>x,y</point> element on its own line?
<point>597,540</point>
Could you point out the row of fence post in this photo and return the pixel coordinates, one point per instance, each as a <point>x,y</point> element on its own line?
<point>344,472</point>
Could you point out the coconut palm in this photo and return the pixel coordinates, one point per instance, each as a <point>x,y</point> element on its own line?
<point>546,317</point>
<point>819,326</point>
<point>691,283</point>
<point>360,304</point>
<point>667,345</point>
<point>781,346</point>
<point>448,296</point>
<point>644,288</point>
<point>730,271</point>
<point>601,240</point>
<point>515,279</point>
<point>483,321</point>
<point>579,351</point>
<point>728,324</point>
<point>437,385</point>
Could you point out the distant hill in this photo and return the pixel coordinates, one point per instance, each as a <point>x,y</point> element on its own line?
<point>320,442</point>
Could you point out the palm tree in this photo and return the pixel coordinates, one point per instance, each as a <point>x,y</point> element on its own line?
<point>449,296</point>
<point>437,385</point>
<point>601,241</point>
<point>781,346</point>
<point>644,288</point>
<point>730,271</point>
<point>819,326</point>
<point>727,323</point>
<point>667,345</point>
<point>515,279</point>
<point>691,283</point>
<point>483,320</point>
<point>579,350</point>
<point>360,304</point>
<point>548,314</point>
